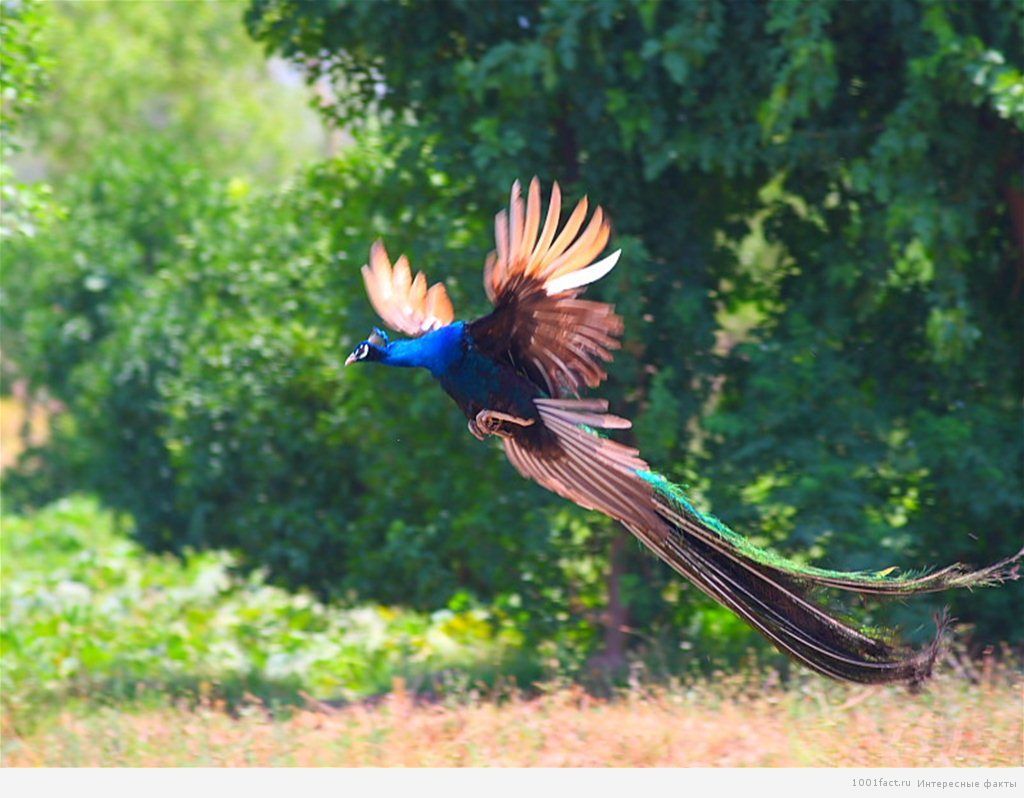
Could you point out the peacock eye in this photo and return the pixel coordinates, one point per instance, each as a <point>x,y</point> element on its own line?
<point>362,351</point>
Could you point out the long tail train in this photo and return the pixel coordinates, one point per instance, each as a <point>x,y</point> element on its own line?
<point>770,592</point>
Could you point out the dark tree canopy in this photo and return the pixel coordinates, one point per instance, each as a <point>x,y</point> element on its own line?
<point>823,272</point>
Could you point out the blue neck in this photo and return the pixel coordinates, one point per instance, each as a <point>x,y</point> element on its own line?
<point>435,351</point>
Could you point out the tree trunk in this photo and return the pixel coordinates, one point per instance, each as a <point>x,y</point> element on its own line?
<point>612,657</point>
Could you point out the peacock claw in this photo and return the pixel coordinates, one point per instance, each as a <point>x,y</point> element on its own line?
<point>491,422</point>
<point>475,430</point>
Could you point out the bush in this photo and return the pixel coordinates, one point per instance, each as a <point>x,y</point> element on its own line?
<point>130,215</point>
<point>87,613</point>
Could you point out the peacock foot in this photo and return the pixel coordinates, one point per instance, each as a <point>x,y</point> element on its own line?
<point>491,422</point>
<point>475,430</point>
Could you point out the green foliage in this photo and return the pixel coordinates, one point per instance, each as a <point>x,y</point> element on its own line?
<point>22,63</point>
<point>874,149</point>
<point>88,614</point>
<point>23,76</point>
<point>819,280</point>
<point>131,214</point>
<point>182,72</point>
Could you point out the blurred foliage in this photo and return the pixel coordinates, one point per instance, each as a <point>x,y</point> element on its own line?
<point>819,280</point>
<point>23,77</point>
<point>91,616</point>
<point>182,72</point>
<point>88,614</point>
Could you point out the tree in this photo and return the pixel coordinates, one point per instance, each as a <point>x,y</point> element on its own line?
<point>858,396</point>
<point>129,153</point>
<point>181,72</point>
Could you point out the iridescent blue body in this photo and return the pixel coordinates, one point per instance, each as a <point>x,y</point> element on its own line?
<point>473,379</point>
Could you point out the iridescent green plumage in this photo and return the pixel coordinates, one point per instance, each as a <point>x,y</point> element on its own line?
<point>884,581</point>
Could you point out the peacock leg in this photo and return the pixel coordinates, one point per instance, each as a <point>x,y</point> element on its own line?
<point>491,422</point>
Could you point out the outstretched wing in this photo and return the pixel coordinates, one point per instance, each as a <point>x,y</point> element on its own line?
<point>534,278</point>
<point>405,303</point>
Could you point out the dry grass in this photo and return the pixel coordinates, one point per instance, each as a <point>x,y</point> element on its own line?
<point>735,724</point>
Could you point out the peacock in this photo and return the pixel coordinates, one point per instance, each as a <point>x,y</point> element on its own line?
<point>518,374</point>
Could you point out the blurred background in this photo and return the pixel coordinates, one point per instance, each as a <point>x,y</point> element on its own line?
<point>821,211</point>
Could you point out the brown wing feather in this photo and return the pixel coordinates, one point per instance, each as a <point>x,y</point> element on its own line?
<point>405,303</point>
<point>594,472</point>
<point>562,342</point>
<point>600,474</point>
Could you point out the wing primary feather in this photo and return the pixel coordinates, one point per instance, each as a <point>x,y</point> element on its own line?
<point>402,302</point>
<point>565,238</point>
<point>548,233</point>
<point>417,294</point>
<point>441,307</point>
<point>489,275</point>
<point>401,277</point>
<point>501,244</point>
<point>515,223</point>
<point>578,279</point>
<point>531,224</point>
<point>587,247</point>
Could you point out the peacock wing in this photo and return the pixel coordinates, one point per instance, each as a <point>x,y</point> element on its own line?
<point>403,302</point>
<point>534,279</point>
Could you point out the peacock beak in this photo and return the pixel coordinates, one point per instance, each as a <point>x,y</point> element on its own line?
<point>350,359</point>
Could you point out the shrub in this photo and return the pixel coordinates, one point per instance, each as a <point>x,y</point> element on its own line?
<point>87,613</point>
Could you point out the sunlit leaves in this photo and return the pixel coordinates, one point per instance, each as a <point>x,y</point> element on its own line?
<point>89,614</point>
<point>885,133</point>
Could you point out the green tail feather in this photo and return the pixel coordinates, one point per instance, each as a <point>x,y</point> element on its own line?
<point>775,595</point>
<point>883,582</point>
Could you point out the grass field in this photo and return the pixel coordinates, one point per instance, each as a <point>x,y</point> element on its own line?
<point>737,723</point>
<point>113,656</point>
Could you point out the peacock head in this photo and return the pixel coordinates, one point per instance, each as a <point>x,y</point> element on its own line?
<point>373,348</point>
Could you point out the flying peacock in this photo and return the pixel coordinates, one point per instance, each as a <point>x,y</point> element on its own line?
<point>517,373</point>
